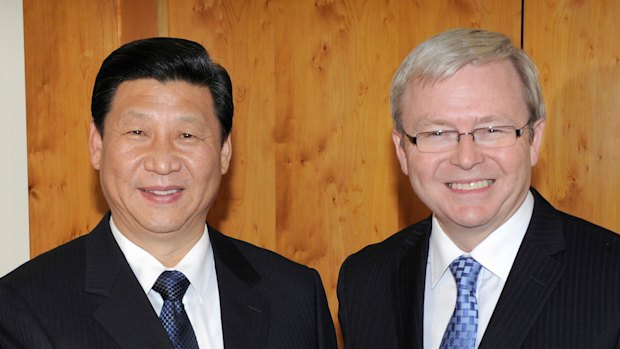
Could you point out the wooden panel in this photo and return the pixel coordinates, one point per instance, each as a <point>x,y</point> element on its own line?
<point>65,42</point>
<point>314,176</point>
<point>574,43</point>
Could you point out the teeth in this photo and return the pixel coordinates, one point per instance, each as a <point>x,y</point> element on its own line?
<point>471,186</point>
<point>163,192</point>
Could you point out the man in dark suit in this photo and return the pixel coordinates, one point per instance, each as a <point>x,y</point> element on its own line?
<point>495,266</point>
<point>152,274</point>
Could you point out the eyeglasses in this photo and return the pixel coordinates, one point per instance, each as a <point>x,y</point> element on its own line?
<point>484,137</point>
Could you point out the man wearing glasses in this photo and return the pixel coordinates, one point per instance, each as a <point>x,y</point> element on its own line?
<point>495,266</point>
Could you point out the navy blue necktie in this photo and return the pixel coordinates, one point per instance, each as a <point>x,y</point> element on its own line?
<point>463,326</point>
<point>171,285</point>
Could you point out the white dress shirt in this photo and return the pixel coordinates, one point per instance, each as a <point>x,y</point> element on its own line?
<point>496,254</point>
<point>202,298</point>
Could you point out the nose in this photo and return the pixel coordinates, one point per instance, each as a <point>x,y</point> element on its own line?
<point>162,158</point>
<point>467,154</point>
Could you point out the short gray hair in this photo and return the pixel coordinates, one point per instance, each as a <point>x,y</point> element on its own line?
<point>442,55</point>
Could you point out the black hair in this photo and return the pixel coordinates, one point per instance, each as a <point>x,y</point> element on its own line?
<point>163,59</point>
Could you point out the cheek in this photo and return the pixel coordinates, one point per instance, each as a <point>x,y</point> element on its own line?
<point>203,164</point>
<point>121,164</point>
<point>423,169</point>
<point>515,163</point>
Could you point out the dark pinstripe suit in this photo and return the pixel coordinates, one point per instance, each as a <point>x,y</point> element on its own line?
<point>563,290</point>
<point>84,295</point>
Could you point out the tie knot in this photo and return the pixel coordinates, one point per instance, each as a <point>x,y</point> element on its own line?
<point>465,270</point>
<point>171,285</point>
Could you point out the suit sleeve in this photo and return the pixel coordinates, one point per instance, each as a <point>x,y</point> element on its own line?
<point>19,327</point>
<point>326,335</point>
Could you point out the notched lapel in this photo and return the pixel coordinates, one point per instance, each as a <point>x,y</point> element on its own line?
<point>245,312</point>
<point>124,312</point>
<point>534,276</point>
<point>408,286</point>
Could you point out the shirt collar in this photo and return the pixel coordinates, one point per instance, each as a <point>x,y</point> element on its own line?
<point>195,265</point>
<point>496,253</point>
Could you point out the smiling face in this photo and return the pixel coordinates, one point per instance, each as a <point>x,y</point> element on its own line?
<point>471,191</point>
<point>160,160</point>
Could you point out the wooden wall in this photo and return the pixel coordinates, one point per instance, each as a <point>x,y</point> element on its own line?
<point>314,176</point>
<point>576,45</point>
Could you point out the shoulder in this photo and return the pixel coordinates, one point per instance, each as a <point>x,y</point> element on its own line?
<point>590,239</point>
<point>269,266</point>
<point>577,243</point>
<point>386,251</point>
<point>38,289</point>
<point>262,257</point>
<point>576,231</point>
<point>49,268</point>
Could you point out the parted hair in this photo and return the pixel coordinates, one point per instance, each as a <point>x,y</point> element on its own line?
<point>163,59</point>
<point>442,55</point>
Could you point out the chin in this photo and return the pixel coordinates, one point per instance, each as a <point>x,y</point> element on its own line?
<point>471,220</point>
<point>162,226</point>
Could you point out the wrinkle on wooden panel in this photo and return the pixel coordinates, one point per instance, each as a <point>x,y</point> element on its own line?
<point>579,63</point>
<point>162,17</point>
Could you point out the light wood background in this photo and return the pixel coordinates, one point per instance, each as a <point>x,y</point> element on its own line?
<point>313,175</point>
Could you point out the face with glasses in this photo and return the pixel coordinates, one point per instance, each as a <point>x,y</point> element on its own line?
<point>468,149</point>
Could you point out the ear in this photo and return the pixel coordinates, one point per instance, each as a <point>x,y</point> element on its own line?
<point>539,128</point>
<point>397,138</point>
<point>95,144</point>
<point>225,154</point>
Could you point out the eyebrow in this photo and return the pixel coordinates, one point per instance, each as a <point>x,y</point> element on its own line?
<point>445,125</point>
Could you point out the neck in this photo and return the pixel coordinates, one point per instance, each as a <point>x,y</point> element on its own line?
<point>168,248</point>
<point>171,254</point>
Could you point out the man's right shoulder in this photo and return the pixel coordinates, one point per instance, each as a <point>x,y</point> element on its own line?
<point>392,247</point>
<point>66,258</point>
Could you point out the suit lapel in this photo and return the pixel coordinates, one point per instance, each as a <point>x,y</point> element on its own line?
<point>124,311</point>
<point>245,312</point>
<point>408,286</point>
<point>533,277</point>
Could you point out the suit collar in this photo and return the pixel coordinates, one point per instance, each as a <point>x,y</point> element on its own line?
<point>534,275</point>
<point>124,310</point>
<point>243,307</point>
<point>408,285</point>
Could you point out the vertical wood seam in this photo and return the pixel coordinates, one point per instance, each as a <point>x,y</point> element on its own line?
<point>162,17</point>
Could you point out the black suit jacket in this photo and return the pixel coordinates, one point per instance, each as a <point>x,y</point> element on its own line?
<point>83,294</point>
<point>563,290</point>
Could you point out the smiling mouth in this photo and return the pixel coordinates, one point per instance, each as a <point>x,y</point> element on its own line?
<point>162,192</point>
<point>472,185</point>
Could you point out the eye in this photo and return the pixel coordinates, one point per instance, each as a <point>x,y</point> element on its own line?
<point>498,129</point>
<point>186,135</point>
<point>437,133</point>
<point>135,132</point>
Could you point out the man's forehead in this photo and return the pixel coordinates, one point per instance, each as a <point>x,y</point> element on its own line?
<point>440,120</point>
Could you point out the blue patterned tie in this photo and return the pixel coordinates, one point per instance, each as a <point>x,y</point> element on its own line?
<point>463,326</point>
<point>171,285</point>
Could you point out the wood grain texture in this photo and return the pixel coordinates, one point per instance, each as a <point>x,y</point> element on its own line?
<point>574,45</point>
<point>65,43</point>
